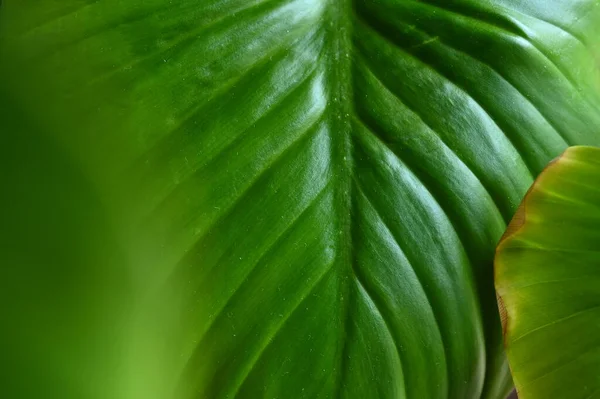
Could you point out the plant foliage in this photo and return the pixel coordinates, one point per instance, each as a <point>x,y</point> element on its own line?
<point>302,197</point>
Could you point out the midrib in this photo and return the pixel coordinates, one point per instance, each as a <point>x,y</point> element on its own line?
<point>339,58</point>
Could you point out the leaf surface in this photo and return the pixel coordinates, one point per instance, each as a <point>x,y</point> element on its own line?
<point>308,192</point>
<point>548,279</point>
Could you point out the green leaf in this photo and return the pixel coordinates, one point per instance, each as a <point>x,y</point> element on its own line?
<point>307,194</point>
<point>548,281</point>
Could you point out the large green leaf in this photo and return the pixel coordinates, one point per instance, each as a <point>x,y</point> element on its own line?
<point>548,281</point>
<point>307,193</point>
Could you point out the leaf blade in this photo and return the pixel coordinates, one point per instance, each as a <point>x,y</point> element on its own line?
<point>230,136</point>
<point>547,279</point>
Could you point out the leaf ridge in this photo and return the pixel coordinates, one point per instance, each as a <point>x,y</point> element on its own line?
<point>362,288</point>
<point>293,223</point>
<point>521,36</point>
<point>519,32</point>
<point>410,261</point>
<point>468,92</point>
<point>304,84</point>
<point>432,130</point>
<point>184,39</point>
<point>239,199</point>
<point>269,340</point>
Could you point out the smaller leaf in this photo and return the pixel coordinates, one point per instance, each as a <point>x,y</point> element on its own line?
<point>548,281</point>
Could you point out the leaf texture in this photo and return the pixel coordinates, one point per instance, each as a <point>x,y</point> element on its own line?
<point>547,280</point>
<point>309,192</point>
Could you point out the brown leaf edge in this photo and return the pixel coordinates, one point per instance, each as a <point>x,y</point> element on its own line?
<point>516,224</point>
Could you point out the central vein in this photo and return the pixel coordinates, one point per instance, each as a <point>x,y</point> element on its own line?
<point>339,67</point>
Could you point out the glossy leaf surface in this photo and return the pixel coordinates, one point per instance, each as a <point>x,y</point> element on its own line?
<point>307,193</point>
<point>548,281</point>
